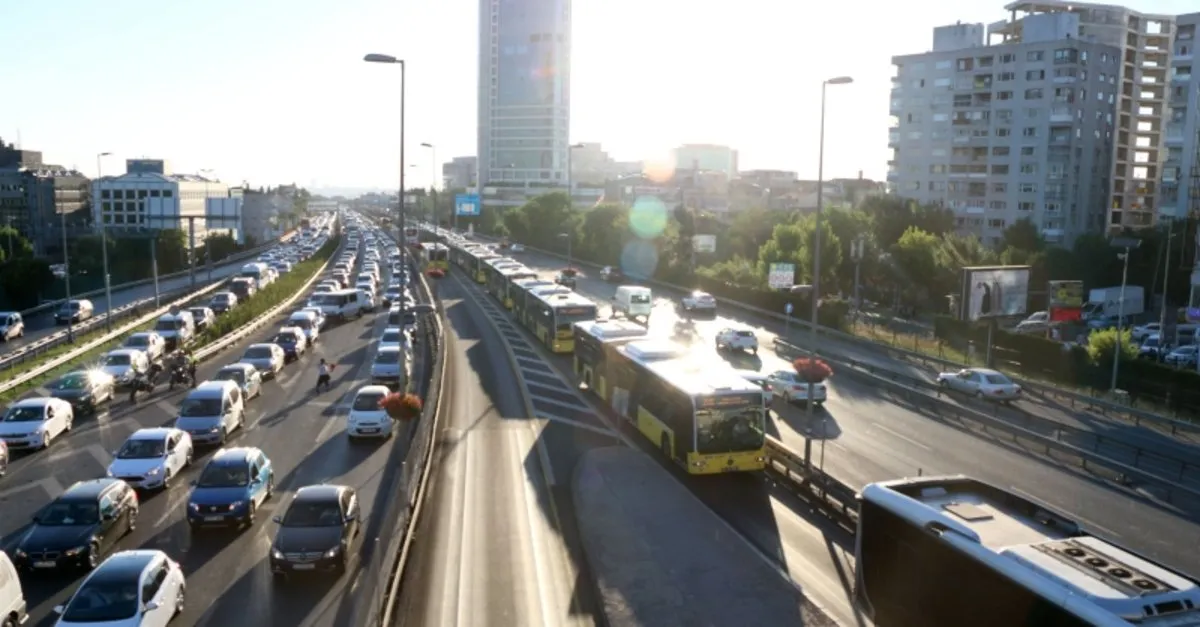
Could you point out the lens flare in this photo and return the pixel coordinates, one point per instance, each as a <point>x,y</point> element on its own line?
<point>639,259</point>
<point>648,217</point>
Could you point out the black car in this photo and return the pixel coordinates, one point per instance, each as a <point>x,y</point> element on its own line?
<point>79,527</point>
<point>317,531</point>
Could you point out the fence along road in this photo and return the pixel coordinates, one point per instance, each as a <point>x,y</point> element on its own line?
<point>868,437</point>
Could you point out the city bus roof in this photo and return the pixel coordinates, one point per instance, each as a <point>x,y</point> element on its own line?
<point>557,300</point>
<point>531,283</point>
<point>510,271</point>
<point>671,362</point>
<point>547,289</point>
<point>1033,543</point>
<point>612,330</point>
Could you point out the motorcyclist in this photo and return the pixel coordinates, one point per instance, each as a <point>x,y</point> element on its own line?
<point>189,365</point>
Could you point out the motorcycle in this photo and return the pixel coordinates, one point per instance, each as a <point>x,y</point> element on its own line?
<point>181,376</point>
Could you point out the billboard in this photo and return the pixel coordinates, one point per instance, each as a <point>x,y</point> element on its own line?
<point>993,292</point>
<point>467,205</point>
<point>704,243</point>
<point>781,276</point>
<point>1065,300</point>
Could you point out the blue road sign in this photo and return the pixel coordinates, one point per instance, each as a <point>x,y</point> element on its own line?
<point>787,309</point>
<point>467,205</point>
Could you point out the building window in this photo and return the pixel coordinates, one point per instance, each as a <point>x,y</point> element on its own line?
<point>167,193</point>
<point>1035,75</point>
<point>1035,55</point>
<point>999,151</point>
<point>1008,58</point>
<point>1027,188</point>
<point>1029,168</point>
<point>1027,151</point>
<point>1025,206</point>
<point>1029,131</point>
<point>154,193</point>
<point>1000,188</point>
<point>1033,94</point>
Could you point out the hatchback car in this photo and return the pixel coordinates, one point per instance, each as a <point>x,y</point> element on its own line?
<point>150,458</point>
<point>317,531</point>
<point>367,419</point>
<point>245,376</point>
<point>231,488</point>
<point>124,364</point>
<point>131,588</point>
<point>292,341</point>
<point>148,342</point>
<point>789,386</point>
<point>84,389</point>
<point>33,423</point>
<point>223,302</point>
<point>79,527</point>
<point>389,367</point>
<point>268,359</point>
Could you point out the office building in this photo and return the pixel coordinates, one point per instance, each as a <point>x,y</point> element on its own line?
<point>39,200</point>
<point>524,98</point>
<point>708,157</point>
<point>149,197</point>
<point>1144,44</point>
<point>460,173</point>
<point>1018,130</point>
<point>265,212</point>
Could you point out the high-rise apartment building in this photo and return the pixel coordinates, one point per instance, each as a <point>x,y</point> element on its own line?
<point>1144,40</point>
<point>1001,133</point>
<point>1181,171</point>
<point>524,98</point>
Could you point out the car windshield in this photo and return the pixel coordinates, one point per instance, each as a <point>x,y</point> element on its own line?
<point>639,299</point>
<point>302,323</point>
<point>1150,342</point>
<point>224,476</point>
<point>222,298</point>
<point>23,414</point>
<point>60,514</point>
<point>258,352</point>
<point>391,337</point>
<point>165,325</point>
<point>198,313</point>
<point>102,601</point>
<point>310,514</point>
<point>283,338</point>
<point>200,407</point>
<point>71,382</point>
<point>237,375</point>
<point>116,360</point>
<point>142,448</point>
<point>387,357</point>
<point>137,341</point>
<point>367,402</point>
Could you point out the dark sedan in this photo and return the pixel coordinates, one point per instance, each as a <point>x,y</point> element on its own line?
<point>79,527</point>
<point>317,532</point>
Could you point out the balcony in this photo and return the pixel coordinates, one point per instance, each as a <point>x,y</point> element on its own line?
<point>894,137</point>
<point>1061,114</point>
<point>1180,77</point>
<point>1174,134</point>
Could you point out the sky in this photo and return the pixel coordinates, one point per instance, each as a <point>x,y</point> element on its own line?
<point>275,91</point>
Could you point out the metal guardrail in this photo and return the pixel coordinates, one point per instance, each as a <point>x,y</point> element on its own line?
<point>49,305</point>
<point>1075,399</point>
<point>918,393</point>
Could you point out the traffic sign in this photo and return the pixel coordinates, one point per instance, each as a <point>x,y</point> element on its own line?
<point>787,309</point>
<point>467,205</point>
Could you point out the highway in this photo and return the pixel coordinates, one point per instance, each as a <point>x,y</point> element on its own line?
<point>497,543</point>
<point>228,579</point>
<point>42,324</point>
<point>870,437</point>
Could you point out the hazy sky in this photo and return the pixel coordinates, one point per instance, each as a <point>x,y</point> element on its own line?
<point>273,91</point>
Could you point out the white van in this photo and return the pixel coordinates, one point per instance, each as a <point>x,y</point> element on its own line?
<point>176,329</point>
<point>12,600</point>
<point>339,304</point>
<point>633,301</point>
<point>260,272</point>
<point>74,311</point>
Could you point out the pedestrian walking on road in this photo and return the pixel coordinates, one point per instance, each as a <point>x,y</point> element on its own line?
<point>323,371</point>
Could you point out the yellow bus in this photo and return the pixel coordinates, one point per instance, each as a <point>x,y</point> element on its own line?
<point>706,418</point>
<point>477,260</point>
<point>524,296</point>
<point>553,315</point>
<point>500,281</point>
<point>595,345</point>
<point>434,255</point>
<point>492,268</point>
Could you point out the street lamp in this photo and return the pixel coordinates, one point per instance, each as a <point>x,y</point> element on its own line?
<point>385,58</point>
<point>816,278</point>
<point>432,183</point>
<point>104,242</point>
<point>570,191</point>
<point>62,217</point>
<point>1128,243</point>
<point>567,237</point>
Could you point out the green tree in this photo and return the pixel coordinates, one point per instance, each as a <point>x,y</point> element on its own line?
<point>171,249</point>
<point>831,253</point>
<point>786,245</point>
<point>1022,235</point>
<point>218,247</point>
<point>959,251</point>
<point>892,216</point>
<point>13,245</point>
<point>1100,345</point>
<point>603,234</point>
<point>736,271</point>
<point>915,260</point>
<point>847,226</point>
<point>22,279</point>
<point>748,230</point>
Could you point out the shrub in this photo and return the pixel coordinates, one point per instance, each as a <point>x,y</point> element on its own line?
<point>812,370</point>
<point>401,406</point>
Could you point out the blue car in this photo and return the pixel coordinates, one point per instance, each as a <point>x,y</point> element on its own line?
<point>231,488</point>
<point>292,341</point>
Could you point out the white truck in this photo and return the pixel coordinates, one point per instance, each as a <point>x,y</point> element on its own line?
<point>1106,302</point>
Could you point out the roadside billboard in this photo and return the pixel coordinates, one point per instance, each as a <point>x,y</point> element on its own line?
<point>781,276</point>
<point>993,292</point>
<point>704,243</point>
<point>1065,300</point>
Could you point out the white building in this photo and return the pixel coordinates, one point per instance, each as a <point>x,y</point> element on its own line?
<point>144,200</point>
<point>460,173</point>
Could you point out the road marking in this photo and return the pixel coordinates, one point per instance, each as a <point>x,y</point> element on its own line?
<point>581,407</point>
<point>466,556</point>
<point>529,495</point>
<point>176,502</point>
<point>50,485</point>
<point>901,436</point>
<point>578,425</point>
<point>1087,522</point>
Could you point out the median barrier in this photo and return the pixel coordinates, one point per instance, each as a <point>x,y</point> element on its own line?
<point>813,484</point>
<point>918,393</point>
<point>1075,399</point>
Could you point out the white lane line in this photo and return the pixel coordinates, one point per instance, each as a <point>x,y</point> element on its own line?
<point>537,549</point>
<point>50,485</point>
<point>901,436</point>
<point>176,502</point>
<point>1085,521</point>
<point>578,425</point>
<point>167,407</point>
<point>466,552</point>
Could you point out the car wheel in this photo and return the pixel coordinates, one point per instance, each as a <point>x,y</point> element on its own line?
<point>166,479</point>
<point>978,395</point>
<point>133,516</point>
<point>224,435</point>
<point>9,621</point>
<point>251,514</point>
<point>270,486</point>
<point>179,599</point>
<point>70,424</point>
<point>93,556</point>
<point>664,443</point>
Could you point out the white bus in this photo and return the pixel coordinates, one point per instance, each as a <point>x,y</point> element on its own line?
<point>957,551</point>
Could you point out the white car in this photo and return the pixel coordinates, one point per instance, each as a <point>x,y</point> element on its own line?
<point>394,336</point>
<point>1143,331</point>
<point>142,588</point>
<point>124,364</point>
<point>699,302</point>
<point>150,458</point>
<point>737,339</point>
<point>983,383</point>
<point>516,248</point>
<point>788,385</point>
<point>34,422</point>
<point>268,359</point>
<point>367,418</point>
<point>148,342</point>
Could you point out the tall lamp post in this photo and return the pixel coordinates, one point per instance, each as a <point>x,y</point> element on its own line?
<point>207,174</point>
<point>567,236</point>
<point>432,183</point>
<point>816,278</point>
<point>104,240</point>
<point>386,58</point>
<point>1128,243</point>
<point>570,182</point>
<point>62,218</point>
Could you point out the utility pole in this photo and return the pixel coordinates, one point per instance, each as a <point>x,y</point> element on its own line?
<point>1162,317</point>
<point>856,254</point>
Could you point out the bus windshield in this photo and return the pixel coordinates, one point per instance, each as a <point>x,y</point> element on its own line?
<point>565,317</point>
<point>731,429</point>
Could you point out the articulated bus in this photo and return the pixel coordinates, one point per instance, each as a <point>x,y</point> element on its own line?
<point>596,343</point>
<point>500,281</point>
<point>552,318</point>
<point>434,256</point>
<point>524,294</point>
<point>706,418</point>
<point>474,261</point>
<point>958,551</point>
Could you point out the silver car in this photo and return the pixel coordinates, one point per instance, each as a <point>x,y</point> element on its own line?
<point>389,367</point>
<point>268,359</point>
<point>245,376</point>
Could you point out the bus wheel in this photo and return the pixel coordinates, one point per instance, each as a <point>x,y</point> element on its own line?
<point>666,446</point>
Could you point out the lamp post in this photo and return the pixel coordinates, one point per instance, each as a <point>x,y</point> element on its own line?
<point>816,278</point>
<point>206,173</point>
<point>432,184</point>
<point>104,241</point>
<point>62,217</point>
<point>570,183</point>
<point>1128,243</point>
<point>567,236</point>
<point>1162,317</point>
<point>385,58</point>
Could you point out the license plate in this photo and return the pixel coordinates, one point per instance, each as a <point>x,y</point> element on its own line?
<point>369,430</point>
<point>45,564</point>
<point>729,469</point>
<point>213,518</point>
<point>303,566</point>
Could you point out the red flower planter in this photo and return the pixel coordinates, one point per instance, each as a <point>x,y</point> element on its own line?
<point>812,370</point>
<point>401,406</point>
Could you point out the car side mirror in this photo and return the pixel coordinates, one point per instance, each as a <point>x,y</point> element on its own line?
<point>149,607</point>
<point>59,609</point>
<point>277,519</point>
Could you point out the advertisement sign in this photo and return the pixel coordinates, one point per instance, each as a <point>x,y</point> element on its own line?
<point>781,276</point>
<point>1065,300</point>
<point>994,292</point>
<point>467,205</point>
<point>704,243</point>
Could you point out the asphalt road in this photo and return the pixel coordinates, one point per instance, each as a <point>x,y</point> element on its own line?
<point>869,437</point>
<point>42,324</point>
<point>497,542</point>
<point>229,582</point>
